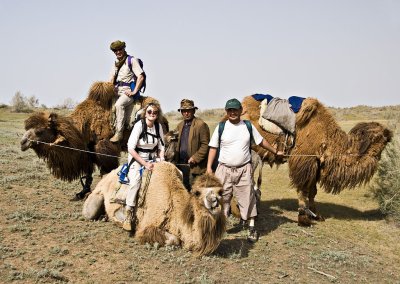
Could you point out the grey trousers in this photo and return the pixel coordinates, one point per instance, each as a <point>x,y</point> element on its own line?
<point>237,182</point>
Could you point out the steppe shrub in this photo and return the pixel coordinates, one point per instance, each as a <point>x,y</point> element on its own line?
<point>386,185</point>
<point>20,103</point>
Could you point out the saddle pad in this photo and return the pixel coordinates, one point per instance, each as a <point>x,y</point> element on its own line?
<point>265,124</point>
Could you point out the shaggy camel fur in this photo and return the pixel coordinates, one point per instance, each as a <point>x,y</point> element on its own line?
<point>88,128</point>
<point>339,160</point>
<point>167,213</point>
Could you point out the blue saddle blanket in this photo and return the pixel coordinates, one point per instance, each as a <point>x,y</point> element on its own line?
<point>294,101</point>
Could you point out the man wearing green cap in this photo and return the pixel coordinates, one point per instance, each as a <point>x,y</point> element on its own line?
<point>126,73</point>
<point>234,168</point>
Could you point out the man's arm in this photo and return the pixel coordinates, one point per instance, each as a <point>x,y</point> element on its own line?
<point>201,153</point>
<point>139,83</point>
<point>265,144</point>
<point>212,153</point>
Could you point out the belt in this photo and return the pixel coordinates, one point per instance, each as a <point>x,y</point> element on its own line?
<point>234,167</point>
<point>137,149</point>
<point>123,84</point>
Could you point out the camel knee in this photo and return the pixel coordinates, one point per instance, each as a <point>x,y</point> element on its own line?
<point>171,240</point>
<point>151,235</point>
<point>93,207</point>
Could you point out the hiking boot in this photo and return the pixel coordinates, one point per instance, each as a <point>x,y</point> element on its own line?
<point>253,235</point>
<point>117,137</point>
<point>128,222</point>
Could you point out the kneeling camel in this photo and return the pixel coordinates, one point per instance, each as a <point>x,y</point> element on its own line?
<point>166,213</point>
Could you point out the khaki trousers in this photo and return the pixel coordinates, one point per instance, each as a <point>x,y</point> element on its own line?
<point>237,182</point>
<point>134,184</point>
<point>121,105</point>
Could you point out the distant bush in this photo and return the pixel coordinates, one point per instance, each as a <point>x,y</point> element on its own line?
<point>3,106</point>
<point>68,103</point>
<point>20,103</point>
<point>386,185</point>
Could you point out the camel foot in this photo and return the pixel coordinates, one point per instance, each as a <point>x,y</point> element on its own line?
<point>81,195</point>
<point>318,218</point>
<point>315,215</point>
<point>303,219</point>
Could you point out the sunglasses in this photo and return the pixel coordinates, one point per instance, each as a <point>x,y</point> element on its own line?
<point>155,112</point>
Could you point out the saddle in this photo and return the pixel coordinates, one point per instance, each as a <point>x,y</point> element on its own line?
<point>121,190</point>
<point>278,117</point>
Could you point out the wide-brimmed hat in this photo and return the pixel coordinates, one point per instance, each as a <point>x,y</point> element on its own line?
<point>117,45</point>
<point>187,104</point>
<point>233,103</point>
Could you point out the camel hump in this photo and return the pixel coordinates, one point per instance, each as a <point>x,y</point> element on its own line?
<point>102,93</point>
<point>307,110</point>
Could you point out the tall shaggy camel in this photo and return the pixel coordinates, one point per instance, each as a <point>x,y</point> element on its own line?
<point>166,212</point>
<point>323,153</point>
<point>88,128</point>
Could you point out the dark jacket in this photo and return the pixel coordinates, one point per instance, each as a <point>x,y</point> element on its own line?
<point>199,137</point>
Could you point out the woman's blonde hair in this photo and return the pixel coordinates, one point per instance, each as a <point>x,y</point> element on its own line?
<point>156,107</point>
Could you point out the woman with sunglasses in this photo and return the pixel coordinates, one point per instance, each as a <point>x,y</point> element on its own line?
<point>144,146</point>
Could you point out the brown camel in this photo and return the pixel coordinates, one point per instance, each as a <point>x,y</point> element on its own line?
<point>323,153</point>
<point>167,213</point>
<point>88,128</point>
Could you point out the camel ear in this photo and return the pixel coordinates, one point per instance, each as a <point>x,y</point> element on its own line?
<point>52,119</point>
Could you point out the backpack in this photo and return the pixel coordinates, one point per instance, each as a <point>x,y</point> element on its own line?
<point>144,135</point>
<point>221,127</point>
<point>144,73</point>
<point>123,173</point>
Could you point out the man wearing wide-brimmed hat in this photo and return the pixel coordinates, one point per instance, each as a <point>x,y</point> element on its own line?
<point>193,139</point>
<point>128,78</point>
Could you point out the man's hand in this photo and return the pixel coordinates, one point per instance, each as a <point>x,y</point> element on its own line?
<point>129,93</point>
<point>191,161</point>
<point>280,154</point>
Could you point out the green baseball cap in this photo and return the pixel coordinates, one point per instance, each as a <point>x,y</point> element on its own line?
<point>233,103</point>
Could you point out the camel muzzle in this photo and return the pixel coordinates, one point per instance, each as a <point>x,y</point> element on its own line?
<point>25,142</point>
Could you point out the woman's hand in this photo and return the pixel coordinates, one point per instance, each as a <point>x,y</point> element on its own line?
<point>149,166</point>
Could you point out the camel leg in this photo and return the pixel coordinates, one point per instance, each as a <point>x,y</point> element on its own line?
<point>171,240</point>
<point>303,218</point>
<point>85,187</point>
<point>312,205</point>
<point>151,234</point>
<point>93,207</point>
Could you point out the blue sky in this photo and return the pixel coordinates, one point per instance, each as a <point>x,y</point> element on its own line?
<point>344,53</point>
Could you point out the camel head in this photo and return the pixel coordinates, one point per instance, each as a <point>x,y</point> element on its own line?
<point>39,127</point>
<point>369,138</point>
<point>171,141</point>
<point>207,189</point>
<point>44,132</point>
<point>205,214</point>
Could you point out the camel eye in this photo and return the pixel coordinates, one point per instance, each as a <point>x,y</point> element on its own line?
<point>196,193</point>
<point>39,131</point>
<point>220,192</point>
